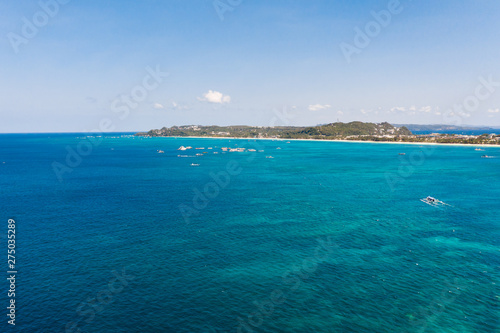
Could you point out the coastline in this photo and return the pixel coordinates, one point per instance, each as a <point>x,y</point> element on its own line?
<point>317,140</point>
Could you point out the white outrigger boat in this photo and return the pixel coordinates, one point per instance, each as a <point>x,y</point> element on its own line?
<point>434,202</point>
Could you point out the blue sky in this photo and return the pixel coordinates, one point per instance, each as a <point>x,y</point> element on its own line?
<point>265,63</point>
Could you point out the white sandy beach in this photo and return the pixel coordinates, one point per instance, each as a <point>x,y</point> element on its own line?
<point>350,141</point>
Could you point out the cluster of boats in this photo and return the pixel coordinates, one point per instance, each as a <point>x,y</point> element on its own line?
<point>240,150</point>
<point>224,149</point>
<point>483,156</point>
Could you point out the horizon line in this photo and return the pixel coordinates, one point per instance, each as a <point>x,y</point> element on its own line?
<point>139,131</point>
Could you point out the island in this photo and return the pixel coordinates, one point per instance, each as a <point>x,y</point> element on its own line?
<point>353,131</point>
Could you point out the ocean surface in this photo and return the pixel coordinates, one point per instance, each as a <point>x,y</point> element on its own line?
<point>113,236</point>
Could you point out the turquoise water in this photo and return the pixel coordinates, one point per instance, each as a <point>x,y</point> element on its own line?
<point>324,237</point>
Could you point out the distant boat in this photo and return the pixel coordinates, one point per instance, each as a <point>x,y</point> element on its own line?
<point>182,148</point>
<point>430,199</point>
<point>161,152</point>
<point>402,153</point>
<point>486,156</point>
<point>269,157</point>
<point>193,164</point>
<point>434,202</point>
<point>479,149</point>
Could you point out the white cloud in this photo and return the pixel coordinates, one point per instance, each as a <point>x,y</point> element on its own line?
<point>398,108</point>
<point>494,110</point>
<point>426,109</point>
<point>413,108</point>
<point>317,107</point>
<point>213,96</point>
<point>340,113</point>
<point>158,106</point>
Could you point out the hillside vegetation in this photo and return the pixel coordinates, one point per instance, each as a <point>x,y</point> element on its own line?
<point>337,131</point>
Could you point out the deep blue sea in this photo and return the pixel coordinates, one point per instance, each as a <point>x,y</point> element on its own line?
<point>113,236</point>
